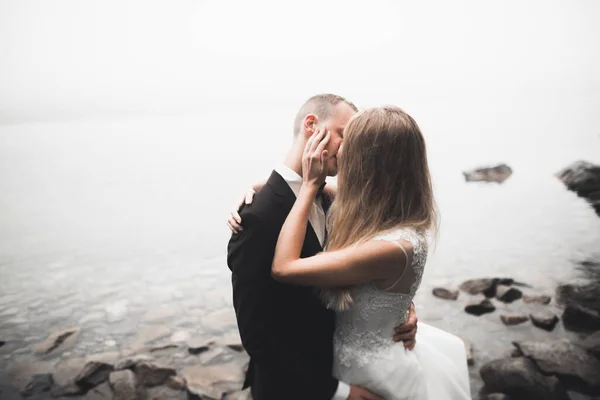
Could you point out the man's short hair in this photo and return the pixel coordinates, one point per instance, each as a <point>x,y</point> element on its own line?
<point>321,105</point>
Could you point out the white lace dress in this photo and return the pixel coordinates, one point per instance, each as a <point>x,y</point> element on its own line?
<point>365,354</point>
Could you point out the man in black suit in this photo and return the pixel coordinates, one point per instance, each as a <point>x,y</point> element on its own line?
<point>286,329</point>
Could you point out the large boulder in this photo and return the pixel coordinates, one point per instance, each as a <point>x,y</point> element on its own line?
<point>577,368</point>
<point>580,318</point>
<point>498,173</point>
<point>583,178</point>
<point>592,344</point>
<point>520,378</point>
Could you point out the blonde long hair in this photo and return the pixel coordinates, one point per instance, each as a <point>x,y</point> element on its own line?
<point>383,183</point>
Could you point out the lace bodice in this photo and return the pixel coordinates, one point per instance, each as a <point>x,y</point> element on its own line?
<point>366,329</point>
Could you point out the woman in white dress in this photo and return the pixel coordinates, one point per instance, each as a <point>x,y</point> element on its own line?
<point>379,228</point>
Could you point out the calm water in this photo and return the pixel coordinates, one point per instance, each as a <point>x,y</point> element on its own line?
<point>104,220</point>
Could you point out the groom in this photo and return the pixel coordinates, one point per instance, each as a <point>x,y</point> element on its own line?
<point>286,329</point>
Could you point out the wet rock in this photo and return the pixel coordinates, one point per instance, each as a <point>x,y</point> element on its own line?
<point>583,178</point>
<point>592,344</point>
<point>176,382</point>
<point>65,338</point>
<point>67,390</point>
<point>198,345</point>
<point>66,371</point>
<point>531,299</point>
<point>165,393</point>
<point>498,173</point>
<point>93,374</point>
<point>572,364</point>
<point>2,342</point>
<point>213,381</point>
<point>487,286</point>
<point>445,294</point>
<point>580,318</point>
<point>39,383</point>
<point>544,320</point>
<point>513,319</point>
<point>520,378</point>
<point>495,396</point>
<point>131,361</point>
<point>150,374</point>
<point>100,392</point>
<point>236,347</point>
<point>508,294</point>
<point>125,386</point>
<point>483,307</point>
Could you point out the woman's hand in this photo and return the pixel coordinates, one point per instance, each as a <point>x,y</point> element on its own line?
<point>314,160</point>
<point>234,222</point>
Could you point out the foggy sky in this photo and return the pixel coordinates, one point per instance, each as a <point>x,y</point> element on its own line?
<point>63,59</point>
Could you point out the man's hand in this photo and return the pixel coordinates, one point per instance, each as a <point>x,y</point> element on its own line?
<point>358,393</point>
<point>407,332</point>
<point>234,222</point>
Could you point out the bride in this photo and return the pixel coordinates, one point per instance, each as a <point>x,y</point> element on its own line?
<point>379,228</point>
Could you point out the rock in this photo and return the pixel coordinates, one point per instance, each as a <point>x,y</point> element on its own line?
<point>513,319</point>
<point>125,386</point>
<point>65,337</point>
<point>469,351</point>
<point>544,320</point>
<point>165,393</point>
<point>583,178</point>
<point>236,347</point>
<point>131,361</point>
<point>2,343</point>
<point>150,374</point>
<point>445,294</point>
<point>592,344</point>
<point>484,307</point>
<point>508,294</point>
<point>520,378</point>
<point>93,374</point>
<point>39,383</point>
<point>495,396</point>
<point>572,364</point>
<point>486,286</point>
<point>100,392</point>
<point>498,173</point>
<point>537,299</point>
<point>213,381</point>
<point>70,389</point>
<point>176,382</point>
<point>580,318</point>
<point>198,346</point>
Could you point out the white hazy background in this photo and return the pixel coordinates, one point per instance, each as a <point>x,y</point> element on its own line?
<point>129,128</point>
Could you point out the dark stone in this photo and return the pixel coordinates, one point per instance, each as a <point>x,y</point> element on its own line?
<point>513,319</point>
<point>39,383</point>
<point>544,300</point>
<point>592,344</point>
<point>580,318</point>
<point>445,294</point>
<point>583,178</point>
<point>236,347</point>
<point>520,378</point>
<point>195,350</point>
<point>544,320</point>
<point>2,342</point>
<point>508,294</point>
<point>93,374</point>
<point>484,307</point>
<point>67,390</point>
<point>125,386</point>
<point>576,368</point>
<point>498,173</point>
<point>150,374</point>
<point>487,286</point>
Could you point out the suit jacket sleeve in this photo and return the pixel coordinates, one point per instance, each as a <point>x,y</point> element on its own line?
<point>250,255</point>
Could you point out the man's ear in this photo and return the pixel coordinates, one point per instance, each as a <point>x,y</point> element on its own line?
<point>309,125</point>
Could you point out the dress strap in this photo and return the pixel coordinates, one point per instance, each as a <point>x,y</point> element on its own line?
<point>405,268</point>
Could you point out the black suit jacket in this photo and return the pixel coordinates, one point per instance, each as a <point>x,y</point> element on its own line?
<point>285,328</point>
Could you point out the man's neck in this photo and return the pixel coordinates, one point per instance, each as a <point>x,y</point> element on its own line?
<point>293,159</point>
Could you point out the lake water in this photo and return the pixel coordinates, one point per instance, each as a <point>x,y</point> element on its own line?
<point>102,221</point>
